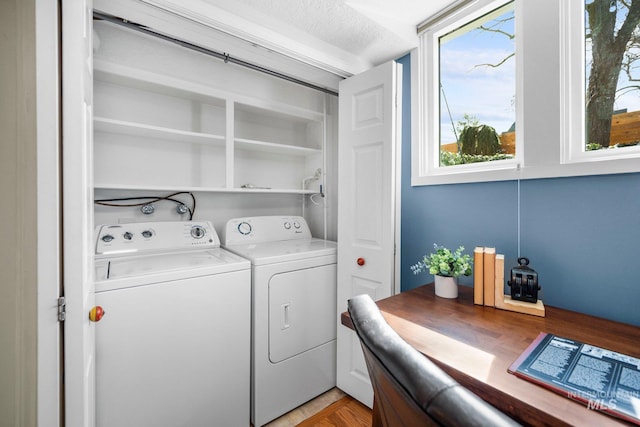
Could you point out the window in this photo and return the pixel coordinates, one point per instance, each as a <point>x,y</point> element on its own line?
<point>477,90</point>
<point>556,56</point>
<point>612,74</point>
<point>601,120</point>
<point>467,104</point>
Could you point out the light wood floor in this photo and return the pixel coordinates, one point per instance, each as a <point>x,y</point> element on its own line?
<point>333,408</point>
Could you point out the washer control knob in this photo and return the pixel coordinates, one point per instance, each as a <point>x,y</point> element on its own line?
<point>197,232</point>
<point>244,228</point>
<point>147,234</point>
<point>287,225</point>
<point>107,238</point>
<point>127,235</point>
<point>296,224</point>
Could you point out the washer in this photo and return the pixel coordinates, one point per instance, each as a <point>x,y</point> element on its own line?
<point>293,311</point>
<point>173,347</point>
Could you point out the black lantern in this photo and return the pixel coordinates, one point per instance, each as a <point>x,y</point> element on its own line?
<point>524,282</point>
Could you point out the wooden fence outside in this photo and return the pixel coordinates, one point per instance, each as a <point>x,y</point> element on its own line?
<point>625,128</point>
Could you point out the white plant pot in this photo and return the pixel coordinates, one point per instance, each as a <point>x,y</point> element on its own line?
<point>446,287</point>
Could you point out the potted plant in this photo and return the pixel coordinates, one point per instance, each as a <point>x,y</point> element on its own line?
<point>446,266</point>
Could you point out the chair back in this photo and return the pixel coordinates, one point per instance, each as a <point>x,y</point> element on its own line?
<point>408,389</point>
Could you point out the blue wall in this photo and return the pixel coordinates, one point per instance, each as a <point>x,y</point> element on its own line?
<point>581,234</point>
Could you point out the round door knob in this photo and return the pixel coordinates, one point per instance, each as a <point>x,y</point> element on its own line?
<point>96,314</point>
<point>360,261</point>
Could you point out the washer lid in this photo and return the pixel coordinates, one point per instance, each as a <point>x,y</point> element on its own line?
<point>284,250</point>
<point>147,269</point>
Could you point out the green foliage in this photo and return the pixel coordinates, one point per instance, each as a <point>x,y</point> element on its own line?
<point>452,159</point>
<point>482,139</point>
<point>443,262</point>
<point>592,146</point>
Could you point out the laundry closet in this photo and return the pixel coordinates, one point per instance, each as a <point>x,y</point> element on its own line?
<point>187,136</point>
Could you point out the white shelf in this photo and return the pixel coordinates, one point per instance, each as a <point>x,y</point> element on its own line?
<point>147,80</point>
<point>102,124</point>
<point>250,134</point>
<point>270,147</point>
<point>168,188</point>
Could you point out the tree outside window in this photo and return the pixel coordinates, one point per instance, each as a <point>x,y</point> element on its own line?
<point>612,70</point>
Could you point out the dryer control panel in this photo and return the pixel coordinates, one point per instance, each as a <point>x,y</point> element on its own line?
<point>259,229</point>
<point>155,236</point>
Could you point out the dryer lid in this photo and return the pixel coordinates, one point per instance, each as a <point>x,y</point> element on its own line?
<point>283,251</point>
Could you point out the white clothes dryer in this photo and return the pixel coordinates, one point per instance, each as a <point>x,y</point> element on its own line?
<point>173,347</point>
<point>293,311</point>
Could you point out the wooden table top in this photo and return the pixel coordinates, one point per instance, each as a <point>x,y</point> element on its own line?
<point>476,344</point>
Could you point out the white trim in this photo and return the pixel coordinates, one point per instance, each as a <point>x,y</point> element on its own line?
<point>48,212</point>
<point>397,198</point>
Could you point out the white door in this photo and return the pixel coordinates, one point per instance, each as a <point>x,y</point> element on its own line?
<point>77,211</point>
<point>368,147</point>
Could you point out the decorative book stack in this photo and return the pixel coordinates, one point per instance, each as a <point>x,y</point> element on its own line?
<point>488,284</point>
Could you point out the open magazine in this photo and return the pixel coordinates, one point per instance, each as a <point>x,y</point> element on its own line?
<point>603,380</point>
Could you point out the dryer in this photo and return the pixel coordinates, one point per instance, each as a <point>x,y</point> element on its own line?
<point>293,311</point>
<point>173,347</point>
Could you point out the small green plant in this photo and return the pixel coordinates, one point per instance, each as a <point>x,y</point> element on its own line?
<point>444,262</point>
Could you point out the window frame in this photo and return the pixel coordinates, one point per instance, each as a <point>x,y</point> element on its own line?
<point>549,102</point>
<point>574,121</point>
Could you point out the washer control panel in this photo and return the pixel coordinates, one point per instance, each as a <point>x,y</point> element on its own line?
<point>258,229</point>
<point>155,236</point>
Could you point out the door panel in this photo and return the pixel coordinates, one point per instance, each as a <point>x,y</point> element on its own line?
<point>301,311</point>
<point>366,207</point>
<point>367,219</point>
<point>77,194</point>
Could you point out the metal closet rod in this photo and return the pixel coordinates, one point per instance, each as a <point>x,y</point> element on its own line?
<point>223,56</point>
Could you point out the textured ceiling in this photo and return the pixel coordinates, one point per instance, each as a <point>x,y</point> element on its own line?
<point>373,31</point>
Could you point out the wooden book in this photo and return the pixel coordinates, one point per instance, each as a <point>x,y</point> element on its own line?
<point>489,276</point>
<point>499,278</point>
<point>478,275</point>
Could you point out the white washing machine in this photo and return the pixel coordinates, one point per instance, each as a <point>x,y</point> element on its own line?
<point>293,311</point>
<point>173,346</point>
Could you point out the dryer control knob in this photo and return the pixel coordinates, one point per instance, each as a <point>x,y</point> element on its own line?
<point>96,313</point>
<point>107,238</point>
<point>244,228</point>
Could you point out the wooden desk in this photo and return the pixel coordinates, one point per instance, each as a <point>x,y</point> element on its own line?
<point>476,345</point>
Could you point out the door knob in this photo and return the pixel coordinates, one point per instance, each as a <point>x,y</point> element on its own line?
<point>360,262</point>
<point>96,314</point>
